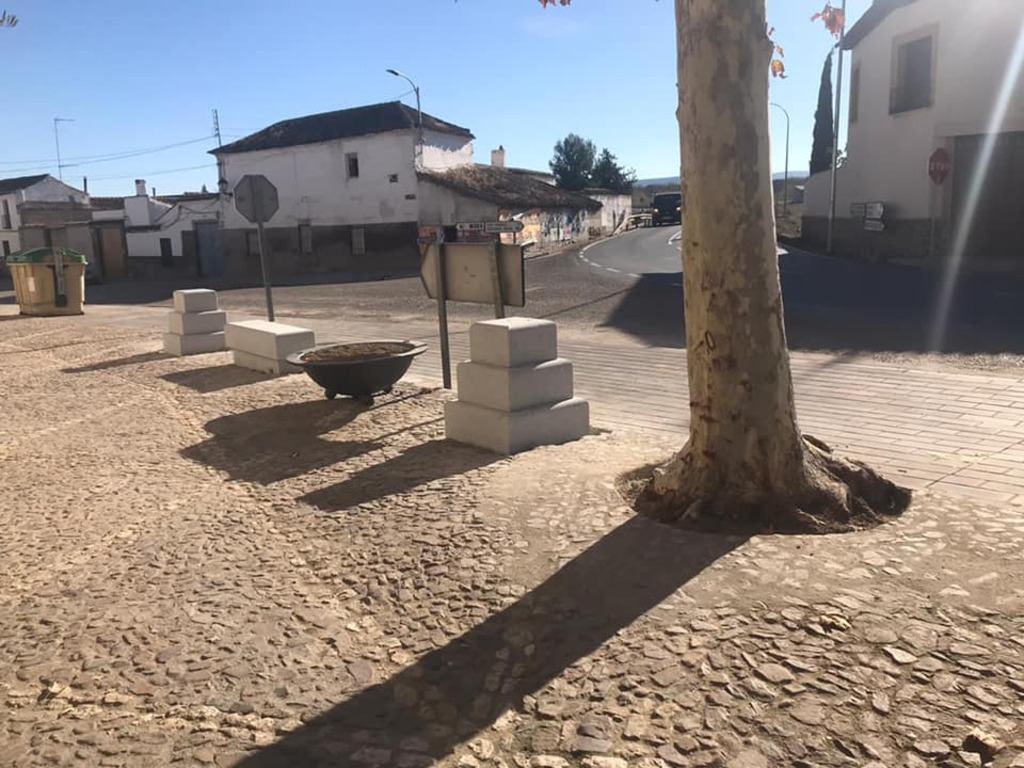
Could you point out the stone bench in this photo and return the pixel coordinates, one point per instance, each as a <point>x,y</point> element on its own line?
<point>261,345</point>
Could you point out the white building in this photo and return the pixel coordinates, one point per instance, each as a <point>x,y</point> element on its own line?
<point>346,184</point>
<point>16,192</point>
<point>929,75</point>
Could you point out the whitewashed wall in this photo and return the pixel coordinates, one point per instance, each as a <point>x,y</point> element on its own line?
<point>313,185</point>
<point>178,218</point>
<point>888,154</point>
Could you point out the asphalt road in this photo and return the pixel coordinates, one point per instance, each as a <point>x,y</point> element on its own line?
<point>628,288</point>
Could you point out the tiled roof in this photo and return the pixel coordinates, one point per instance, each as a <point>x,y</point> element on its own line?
<point>505,187</point>
<point>872,17</point>
<point>21,182</point>
<point>345,123</point>
<point>106,203</point>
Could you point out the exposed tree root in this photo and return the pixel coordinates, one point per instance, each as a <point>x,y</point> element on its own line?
<point>830,495</point>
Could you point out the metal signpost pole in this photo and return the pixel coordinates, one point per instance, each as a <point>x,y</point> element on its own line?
<point>499,297</point>
<point>265,268</point>
<point>442,314</point>
<point>256,199</point>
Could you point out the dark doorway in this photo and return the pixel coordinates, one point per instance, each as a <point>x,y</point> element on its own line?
<point>208,245</point>
<point>997,232</point>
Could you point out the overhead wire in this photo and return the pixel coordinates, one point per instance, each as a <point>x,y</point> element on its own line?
<point>73,162</point>
<point>151,173</point>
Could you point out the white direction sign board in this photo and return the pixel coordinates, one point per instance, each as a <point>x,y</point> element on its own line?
<point>467,273</point>
<point>491,227</point>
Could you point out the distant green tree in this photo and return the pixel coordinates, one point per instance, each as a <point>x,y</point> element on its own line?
<point>573,162</point>
<point>824,123</point>
<point>608,174</point>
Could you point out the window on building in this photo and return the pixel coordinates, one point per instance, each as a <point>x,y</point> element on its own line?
<point>912,88</point>
<point>252,242</point>
<point>855,95</point>
<point>7,216</point>
<point>358,241</point>
<point>7,248</point>
<point>48,238</point>
<point>166,252</point>
<point>306,238</point>
<point>352,165</point>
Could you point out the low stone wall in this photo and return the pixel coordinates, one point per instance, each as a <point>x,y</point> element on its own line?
<point>904,240</point>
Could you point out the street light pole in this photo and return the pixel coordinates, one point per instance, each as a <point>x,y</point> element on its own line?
<point>835,139</point>
<point>56,141</point>
<point>419,112</point>
<point>785,183</point>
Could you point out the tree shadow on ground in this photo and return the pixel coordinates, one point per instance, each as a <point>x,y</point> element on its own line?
<point>216,378</point>
<point>416,466</point>
<point>422,713</point>
<point>159,290</point>
<point>267,445</point>
<point>869,311</point>
<point>103,365</point>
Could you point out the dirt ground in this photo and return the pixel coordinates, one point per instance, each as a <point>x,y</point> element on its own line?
<point>207,566</point>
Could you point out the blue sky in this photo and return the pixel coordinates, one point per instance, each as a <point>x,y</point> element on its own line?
<point>136,75</point>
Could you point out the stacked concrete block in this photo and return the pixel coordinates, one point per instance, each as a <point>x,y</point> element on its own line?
<point>264,346</point>
<point>515,392</point>
<point>195,325</point>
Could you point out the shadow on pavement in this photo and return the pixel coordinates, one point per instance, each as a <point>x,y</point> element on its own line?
<point>423,712</point>
<point>876,308</point>
<point>216,378</point>
<point>267,445</point>
<point>145,357</point>
<point>159,290</point>
<point>416,466</point>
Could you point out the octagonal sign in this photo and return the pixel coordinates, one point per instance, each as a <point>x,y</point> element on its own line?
<point>256,198</point>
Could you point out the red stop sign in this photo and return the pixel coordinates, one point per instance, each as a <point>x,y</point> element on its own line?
<point>938,166</point>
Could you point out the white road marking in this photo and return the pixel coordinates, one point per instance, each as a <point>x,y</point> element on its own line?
<point>677,236</point>
<point>633,274</point>
<point>613,269</point>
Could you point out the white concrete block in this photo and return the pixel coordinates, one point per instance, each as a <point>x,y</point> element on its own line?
<point>197,344</point>
<point>198,322</point>
<point>508,433</point>
<point>513,341</point>
<point>262,364</point>
<point>270,340</point>
<point>195,300</point>
<point>512,389</point>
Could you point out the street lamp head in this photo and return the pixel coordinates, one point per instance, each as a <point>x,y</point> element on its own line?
<point>394,72</point>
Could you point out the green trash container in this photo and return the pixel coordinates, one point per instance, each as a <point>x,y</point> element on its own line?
<point>48,281</point>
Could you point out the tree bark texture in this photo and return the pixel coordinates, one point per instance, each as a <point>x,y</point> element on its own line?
<point>745,451</point>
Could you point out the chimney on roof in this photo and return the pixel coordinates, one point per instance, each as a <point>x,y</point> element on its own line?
<point>140,187</point>
<point>154,192</point>
<point>498,157</point>
<point>85,184</point>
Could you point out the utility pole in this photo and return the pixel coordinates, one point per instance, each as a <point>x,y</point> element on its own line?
<point>56,141</point>
<point>835,139</point>
<point>216,127</point>
<point>419,113</point>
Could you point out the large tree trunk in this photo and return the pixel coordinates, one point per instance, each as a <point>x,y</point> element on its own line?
<point>745,456</point>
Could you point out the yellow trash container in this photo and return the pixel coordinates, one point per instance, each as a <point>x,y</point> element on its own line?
<point>48,281</point>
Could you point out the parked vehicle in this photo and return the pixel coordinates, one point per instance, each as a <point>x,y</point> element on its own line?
<point>667,208</point>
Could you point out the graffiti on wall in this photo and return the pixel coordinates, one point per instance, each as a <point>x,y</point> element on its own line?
<point>562,226</point>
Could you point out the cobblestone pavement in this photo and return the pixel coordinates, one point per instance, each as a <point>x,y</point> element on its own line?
<point>205,566</point>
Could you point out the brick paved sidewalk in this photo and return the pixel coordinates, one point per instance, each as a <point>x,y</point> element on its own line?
<point>962,434</point>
